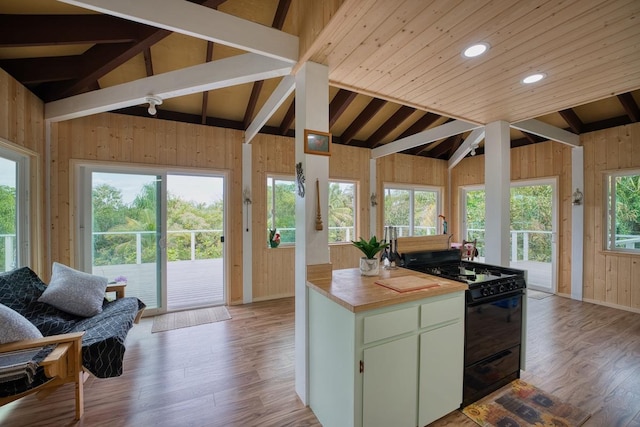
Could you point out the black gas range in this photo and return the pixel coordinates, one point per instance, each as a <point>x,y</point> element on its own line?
<point>493,318</point>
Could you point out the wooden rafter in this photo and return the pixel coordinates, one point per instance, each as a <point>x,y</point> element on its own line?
<point>339,104</point>
<point>278,22</point>
<point>421,124</point>
<point>45,30</point>
<point>289,116</point>
<point>148,63</point>
<point>31,71</point>
<point>572,119</point>
<point>630,106</point>
<point>205,94</point>
<point>369,111</point>
<point>417,151</point>
<point>387,127</point>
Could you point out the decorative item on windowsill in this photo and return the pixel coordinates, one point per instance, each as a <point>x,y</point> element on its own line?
<point>120,280</point>
<point>444,224</point>
<point>274,238</point>
<point>369,264</point>
<point>577,197</point>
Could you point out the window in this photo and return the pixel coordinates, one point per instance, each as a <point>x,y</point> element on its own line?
<point>14,231</point>
<point>281,208</point>
<point>342,211</point>
<point>623,211</point>
<point>413,210</point>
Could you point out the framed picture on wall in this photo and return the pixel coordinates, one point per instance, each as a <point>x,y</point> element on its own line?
<point>316,142</point>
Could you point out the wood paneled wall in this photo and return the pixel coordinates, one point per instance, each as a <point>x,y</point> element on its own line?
<point>273,272</point>
<point>22,125</point>
<point>610,278</point>
<point>145,141</point>
<point>544,160</point>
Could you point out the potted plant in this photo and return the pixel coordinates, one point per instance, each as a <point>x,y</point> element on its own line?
<point>369,264</point>
<point>274,238</point>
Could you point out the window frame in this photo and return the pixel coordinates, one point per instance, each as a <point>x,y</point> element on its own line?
<point>609,211</point>
<point>23,203</point>
<point>356,218</point>
<point>412,188</point>
<point>270,224</point>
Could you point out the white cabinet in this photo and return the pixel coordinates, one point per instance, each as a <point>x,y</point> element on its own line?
<point>411,355</point>
<point>390,383</point>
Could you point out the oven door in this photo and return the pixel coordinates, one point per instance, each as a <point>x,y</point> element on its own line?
<point>492,326</point>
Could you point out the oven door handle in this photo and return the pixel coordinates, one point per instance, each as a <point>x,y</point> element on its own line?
<point>495,298</point>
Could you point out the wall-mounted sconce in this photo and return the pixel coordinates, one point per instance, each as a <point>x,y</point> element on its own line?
<point>577,197</point>
<point>374,199</point>
<point>473,149</point>
<point>153,101</point>
<point>246,195</point>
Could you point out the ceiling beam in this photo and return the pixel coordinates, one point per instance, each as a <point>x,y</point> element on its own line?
<point>288,119</point>
<point>339,104</point>
<point>547,131</point>
<point>203,23</point>
<point>421,124</point>
<point>444,146</point>
<point>572,119</point>
<point>30,71</point>
<point>388,126</point>
<point>428,136</point>
<point>278,22</point>
<point>205,94</point>
<point>285,88</point>
<point>47,30</point>
<point>473,140</point>
<point>363,118</point>
<point>226,72</point>
<point>630,106</point>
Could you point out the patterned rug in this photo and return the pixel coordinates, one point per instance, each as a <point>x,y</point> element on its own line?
<point>184,319</point>
<point>537,294</point>
<point>520,404</point>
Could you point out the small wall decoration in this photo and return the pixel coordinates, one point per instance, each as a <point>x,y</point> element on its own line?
<point>300,179</point>
<point>316,142</point>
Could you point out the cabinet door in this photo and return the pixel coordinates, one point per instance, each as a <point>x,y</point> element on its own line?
<point>390,384</point>
<point>441,371</point>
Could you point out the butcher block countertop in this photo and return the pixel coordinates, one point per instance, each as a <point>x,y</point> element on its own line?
<point>360,293</point>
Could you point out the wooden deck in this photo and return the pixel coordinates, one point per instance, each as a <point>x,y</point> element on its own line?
<point>190,284</point>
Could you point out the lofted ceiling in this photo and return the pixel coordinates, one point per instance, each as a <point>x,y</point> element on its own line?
<point>395,67</point>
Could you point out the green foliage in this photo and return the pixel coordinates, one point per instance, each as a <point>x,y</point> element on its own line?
<point>7,220</point>
<point>371,247</point>
<point>628,204</point>
<point>122,222</point>
<point>341,211</point>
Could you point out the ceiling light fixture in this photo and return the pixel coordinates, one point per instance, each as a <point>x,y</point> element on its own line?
<point>475,50</point>
<point>153,101</point>
<point>533,78</point>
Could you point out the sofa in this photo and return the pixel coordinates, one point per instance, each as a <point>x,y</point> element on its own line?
<point>104,334</point>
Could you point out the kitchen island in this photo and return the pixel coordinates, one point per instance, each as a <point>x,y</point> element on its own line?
<point>379,356</point>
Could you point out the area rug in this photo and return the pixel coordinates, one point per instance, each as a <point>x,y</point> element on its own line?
<point>184,319</point>
<point>537,294</point>
<point>519,404</point>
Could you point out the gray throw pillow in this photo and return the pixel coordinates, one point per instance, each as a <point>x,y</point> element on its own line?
<point>74,291</point>
<point>16,327</point>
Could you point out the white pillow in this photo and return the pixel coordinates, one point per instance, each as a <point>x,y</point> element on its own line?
<point>16,327</point>
<point>74,291</point>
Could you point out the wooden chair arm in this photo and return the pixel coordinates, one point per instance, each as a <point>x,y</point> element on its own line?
<point>118,289</point>
<point>41,342</point>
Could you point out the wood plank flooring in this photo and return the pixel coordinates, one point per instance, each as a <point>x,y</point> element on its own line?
<point>240,372</point>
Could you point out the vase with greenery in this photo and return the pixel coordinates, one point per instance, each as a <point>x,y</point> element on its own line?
<point>369,264</point>
<point>274,238</point>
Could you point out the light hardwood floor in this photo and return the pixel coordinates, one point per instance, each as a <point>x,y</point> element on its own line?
<point>240,372</point>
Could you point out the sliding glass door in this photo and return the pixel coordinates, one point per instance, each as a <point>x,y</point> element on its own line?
<point>14,214</point>
<point>160,233</point>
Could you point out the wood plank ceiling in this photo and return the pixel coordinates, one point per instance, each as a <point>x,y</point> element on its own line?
<point>395,68</point>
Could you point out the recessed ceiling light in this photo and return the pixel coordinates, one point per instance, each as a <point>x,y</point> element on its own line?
<point>475,50</point>
<point>533,78</point>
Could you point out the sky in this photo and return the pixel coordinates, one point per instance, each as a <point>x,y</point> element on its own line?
<point>7,172</point>
<point>200,189</point>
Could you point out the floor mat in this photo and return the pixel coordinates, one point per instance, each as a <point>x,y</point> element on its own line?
<point>519,404</point>
<point>184,319</point>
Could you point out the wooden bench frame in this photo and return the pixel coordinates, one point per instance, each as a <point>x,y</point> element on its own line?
<point>63,365</point>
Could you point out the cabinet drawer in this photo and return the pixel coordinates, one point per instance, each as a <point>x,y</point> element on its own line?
<point>442,311</point>
<point>385,325</point>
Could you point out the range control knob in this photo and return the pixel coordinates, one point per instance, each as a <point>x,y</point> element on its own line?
<point>501,288</point>
<point>485,292</point>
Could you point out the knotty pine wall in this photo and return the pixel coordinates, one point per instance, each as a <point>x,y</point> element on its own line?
<point>146,141</point>
<point>543,160</point>
<point>610,278</point>
<point>22,129</point>
<point>273,272</point>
